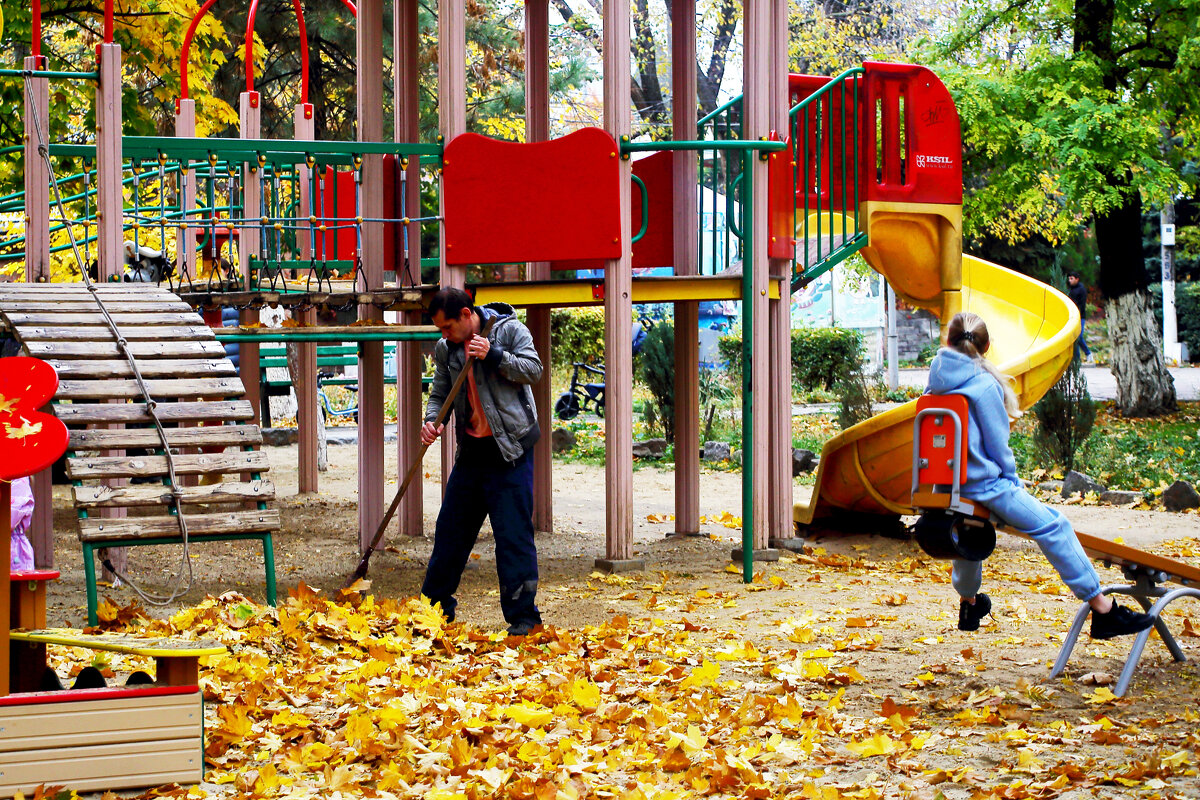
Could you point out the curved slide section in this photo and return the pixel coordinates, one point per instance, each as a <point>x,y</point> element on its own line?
<point>867,469</point>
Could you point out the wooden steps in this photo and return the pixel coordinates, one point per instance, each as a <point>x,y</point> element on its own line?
<point>196,395</point>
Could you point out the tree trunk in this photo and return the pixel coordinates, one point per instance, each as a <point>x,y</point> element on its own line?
<point>1144,386</point>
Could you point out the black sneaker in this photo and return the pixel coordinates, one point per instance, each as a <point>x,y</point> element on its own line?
<point>1119,621</point>
<point>521,628</point>
<point>969,614</point>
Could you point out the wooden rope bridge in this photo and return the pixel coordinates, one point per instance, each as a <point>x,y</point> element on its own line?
<point>196,396</point>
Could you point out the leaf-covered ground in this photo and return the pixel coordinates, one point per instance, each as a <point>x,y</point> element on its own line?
<point>838,673</point>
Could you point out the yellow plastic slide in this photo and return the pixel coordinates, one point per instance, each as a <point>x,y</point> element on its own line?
<point>1033,327</point>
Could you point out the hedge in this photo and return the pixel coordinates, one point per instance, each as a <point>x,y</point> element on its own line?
<point>820,356</point>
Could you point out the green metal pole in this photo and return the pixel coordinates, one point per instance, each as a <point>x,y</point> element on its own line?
<point>748,367</point>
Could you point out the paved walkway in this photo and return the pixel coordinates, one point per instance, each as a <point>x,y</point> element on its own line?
<point>1101,383</point>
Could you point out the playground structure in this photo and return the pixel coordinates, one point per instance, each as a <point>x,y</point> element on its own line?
<point>818,168</point>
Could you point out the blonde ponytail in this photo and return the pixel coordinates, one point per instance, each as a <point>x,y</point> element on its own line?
<point>968,334</point>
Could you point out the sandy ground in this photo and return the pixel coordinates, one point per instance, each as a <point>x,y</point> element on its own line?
<point>881,589</point>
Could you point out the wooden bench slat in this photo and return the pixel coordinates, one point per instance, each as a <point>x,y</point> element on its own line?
<point>97,529</point>
<point>96,318</point>
<point>123,643</point>
<point>103,413</point>
<point>130,388</point>
<point>139,349</point>
<point>103,334</point>
<point>154,368</point>
<point>129,496</point>
<point>123,305</point>
<point>90,467</point>
<point>206,436</point>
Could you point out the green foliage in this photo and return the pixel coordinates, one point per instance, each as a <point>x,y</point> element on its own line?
<point>823,356</point>
<point>577,334</point>
<point>1187,314</point>
<point>1065,418</point>
<point>658,371</point>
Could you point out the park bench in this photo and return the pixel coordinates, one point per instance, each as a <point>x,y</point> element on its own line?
<point>329,357</point>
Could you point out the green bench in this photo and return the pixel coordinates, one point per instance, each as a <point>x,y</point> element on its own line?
<point>327,356</point>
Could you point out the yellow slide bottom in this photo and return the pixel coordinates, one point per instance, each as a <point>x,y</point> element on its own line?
<point>868,468</point>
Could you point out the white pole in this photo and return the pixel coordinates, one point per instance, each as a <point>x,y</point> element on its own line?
<point>1171,348</point>
<point>893,339</point>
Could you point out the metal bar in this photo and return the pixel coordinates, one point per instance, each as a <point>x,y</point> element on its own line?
<point>761,145</point>
<point>645,209</point>
<point>748,367</point>
<point>49,73</point>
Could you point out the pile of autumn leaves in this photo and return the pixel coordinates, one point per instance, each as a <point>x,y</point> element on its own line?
<point>363,697</point>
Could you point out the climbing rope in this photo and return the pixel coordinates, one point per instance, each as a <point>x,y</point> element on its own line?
<point>151,404</point>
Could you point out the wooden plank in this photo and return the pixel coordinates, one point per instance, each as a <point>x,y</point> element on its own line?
<point>206,436</point>
<point>124,643</point>
<point>168,387</point>
<point>17,319</point>
<point>105,413</point>
<point>98,721</point>
<point>79,287</point>
<point>103,334</point>
<point>107,766</point>
<point>153,368</point>
<point>124,305</point>
<point>101,350</point>
<point>199,525</point>
<point>128,496</point>
<point>90,467</point>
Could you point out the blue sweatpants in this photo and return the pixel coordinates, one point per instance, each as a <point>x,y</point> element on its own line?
<point>482,484</point>
<point>1049,529</point>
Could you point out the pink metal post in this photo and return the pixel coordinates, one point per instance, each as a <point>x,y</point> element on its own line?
<point>452,112</point>
<point>370,360</point>
<point>687,314</point>
<point>250,118</point>
<point>780,529</point>
<point>409,406</point>
<point>618,310</point>
<point>306,380</point>
<point>110,238</point>
<point>537,129</point>
<point>37,268</point>
<point>756,63</point>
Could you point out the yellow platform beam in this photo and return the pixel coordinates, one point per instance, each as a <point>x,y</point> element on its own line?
<point>590,291</point>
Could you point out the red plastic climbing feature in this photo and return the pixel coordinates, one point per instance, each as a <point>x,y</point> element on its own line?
<point>30,440</point>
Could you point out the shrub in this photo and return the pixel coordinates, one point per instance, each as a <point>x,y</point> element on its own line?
<point>658,371</point>
<point>820,356</point>
<point>1065,417</point>
<point>577,334</point>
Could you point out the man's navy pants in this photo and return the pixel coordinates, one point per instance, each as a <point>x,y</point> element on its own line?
<point>482,484</point>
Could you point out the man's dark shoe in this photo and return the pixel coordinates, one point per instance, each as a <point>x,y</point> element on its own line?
<point>521,628</point>
<point>969,614</point>
<point>1119,621</point>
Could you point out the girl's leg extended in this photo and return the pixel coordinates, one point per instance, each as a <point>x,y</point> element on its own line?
<point>1053,534</point>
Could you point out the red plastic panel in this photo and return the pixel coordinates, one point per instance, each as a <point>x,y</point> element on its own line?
<point>913,150</point>
<point>30,441</point>
<point>657,247</point>
<point>541,201</point>
<point>336,201</point>
<point>781,209</point>
<point>935,442</point>
<point>33,575</point>
<point>824,155</point>
<point>78,695</point>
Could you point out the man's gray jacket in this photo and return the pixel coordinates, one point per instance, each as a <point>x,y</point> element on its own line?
<point>503,378</point>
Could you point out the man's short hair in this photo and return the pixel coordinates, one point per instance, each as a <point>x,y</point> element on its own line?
<point>450,301</point>
<point>1074,274</point>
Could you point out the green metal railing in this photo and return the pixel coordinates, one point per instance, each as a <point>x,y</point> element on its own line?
<point>827,174</point>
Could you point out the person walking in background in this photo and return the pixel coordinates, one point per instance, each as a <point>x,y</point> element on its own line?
<point>960,368</point>
<point>1078,294</point>
<point>496,427</point>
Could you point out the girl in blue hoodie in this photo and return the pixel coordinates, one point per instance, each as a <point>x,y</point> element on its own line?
<point>992,481</point>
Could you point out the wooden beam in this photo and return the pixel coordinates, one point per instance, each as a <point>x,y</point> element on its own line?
<point>307,413</point>
<point>250,121</point>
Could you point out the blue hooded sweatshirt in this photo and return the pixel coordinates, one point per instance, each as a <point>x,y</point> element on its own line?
<point>991,467</point>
